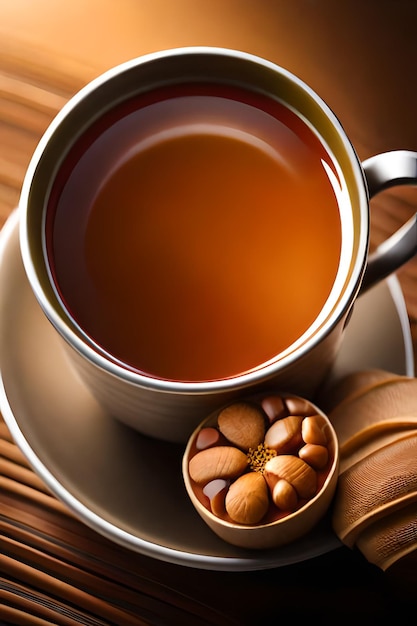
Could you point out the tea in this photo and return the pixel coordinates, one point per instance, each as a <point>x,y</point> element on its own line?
<point>194,233</point>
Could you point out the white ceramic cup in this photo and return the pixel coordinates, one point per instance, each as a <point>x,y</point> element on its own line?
<point>170,409</point>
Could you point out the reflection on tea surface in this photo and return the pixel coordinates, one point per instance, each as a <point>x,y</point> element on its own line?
<point>198,235</point>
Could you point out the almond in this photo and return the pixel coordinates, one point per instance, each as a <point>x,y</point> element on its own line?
<point>218,462</point>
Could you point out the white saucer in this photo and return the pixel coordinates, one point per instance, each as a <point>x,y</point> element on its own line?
<point>125,486</point>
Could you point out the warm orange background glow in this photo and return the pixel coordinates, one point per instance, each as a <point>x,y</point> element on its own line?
<point>360,57</point>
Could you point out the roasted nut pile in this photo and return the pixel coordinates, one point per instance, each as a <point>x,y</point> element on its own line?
<point>257,461</point>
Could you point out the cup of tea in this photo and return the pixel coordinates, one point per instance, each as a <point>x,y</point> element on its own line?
<point>195,224</point>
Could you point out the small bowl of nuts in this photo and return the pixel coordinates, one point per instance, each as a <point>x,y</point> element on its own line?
<point>262,471</point>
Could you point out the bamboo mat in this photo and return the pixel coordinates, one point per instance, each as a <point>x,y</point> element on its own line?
<point>54,570</point>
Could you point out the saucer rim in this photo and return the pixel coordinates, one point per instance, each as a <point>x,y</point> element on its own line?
<point>154,550</point>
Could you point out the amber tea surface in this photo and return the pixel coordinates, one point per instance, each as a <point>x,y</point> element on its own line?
<point>194,233</point>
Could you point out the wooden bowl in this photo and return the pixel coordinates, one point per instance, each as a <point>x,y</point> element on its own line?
<point>237,497</point>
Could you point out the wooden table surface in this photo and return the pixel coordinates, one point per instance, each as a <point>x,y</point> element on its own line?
<point>361,57</point>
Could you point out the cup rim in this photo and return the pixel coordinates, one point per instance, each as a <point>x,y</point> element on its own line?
<point>102,359</point>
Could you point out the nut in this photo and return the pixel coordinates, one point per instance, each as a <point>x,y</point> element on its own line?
<point>216,491</point>
<point>284,495</point>
<point>298,406</point>
<point>274,407</point>
<point>206,438</point>
<point>243,424</point>
<point>218,462</point>
<point>312,430</point>
<point>284,435</point>
<point>247,500</point>
<point>248,465</point>
<point>294,470</point>
<point>315,455</point>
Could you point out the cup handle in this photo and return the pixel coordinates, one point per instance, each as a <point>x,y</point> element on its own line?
<point>383,171</point>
